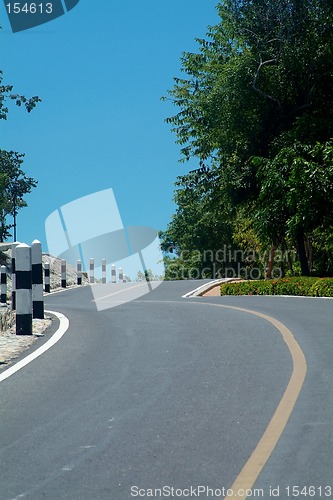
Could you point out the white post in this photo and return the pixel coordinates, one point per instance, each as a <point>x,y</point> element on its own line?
<point>92,271</point>
<point>37,280</point>
<point>79,272</point>
<point>113,274</point>
<point>23,290</point>
<point>121,275</point>
<point>63,274</point>
<point>104,271</point>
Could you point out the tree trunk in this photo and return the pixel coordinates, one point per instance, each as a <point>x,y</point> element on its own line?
<point>270,265</point>
<point>302,253</point>
<point>309,252</point>
<point>290,264</point>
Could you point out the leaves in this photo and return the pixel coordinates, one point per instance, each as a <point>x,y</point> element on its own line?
<point>6,93</point>
<point>255,104</point>
<point>14,184</point>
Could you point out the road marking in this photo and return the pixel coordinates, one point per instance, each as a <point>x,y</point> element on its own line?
<point>119,291</point>
<point>63,327</point>
<point>259,457</point>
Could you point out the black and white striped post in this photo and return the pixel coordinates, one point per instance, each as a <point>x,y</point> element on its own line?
<point>92,271</point>
<point>121,275</point>
<point>3,271</point>
<point>79,272</point>
<point>47,277</point>
<point>37,280</point>
<point>23,289</point>
<point>103,271</point>
<point>63,274</point>
<point>14,245</point>
<point>113,274</point>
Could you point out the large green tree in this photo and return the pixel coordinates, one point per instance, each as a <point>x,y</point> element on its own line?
<point>199,228</point>
<point>260,82</point>
<point>295,197</point>
<point>265,64</point>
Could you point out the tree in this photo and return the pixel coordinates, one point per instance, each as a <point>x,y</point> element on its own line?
<point>200,227</point>
<point>296,196</point>
<point>265,64</point>
<point>148,275</point>
<point>14,184</point>
<point>261,82</point>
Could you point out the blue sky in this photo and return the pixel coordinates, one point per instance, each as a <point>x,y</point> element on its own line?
<point>100,71</point>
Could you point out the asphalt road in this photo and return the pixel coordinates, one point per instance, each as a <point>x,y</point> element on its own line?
<point>168,392</point>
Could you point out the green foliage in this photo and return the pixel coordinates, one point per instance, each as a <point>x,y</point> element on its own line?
<point>14,184</point>
<point>20,100</point>
<point>322,288</point>
<point>296,187</point>
<point>201,222</point>
<point>255,108</point>
<point>322,251</point>
<point>244,232</point>
<point>148,275</point>
<point>189,265</point>
<point>265,64</point>
<point>303,286</point>
<point>296,193</point>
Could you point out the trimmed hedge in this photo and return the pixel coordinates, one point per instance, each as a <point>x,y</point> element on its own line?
<point>305,286</point>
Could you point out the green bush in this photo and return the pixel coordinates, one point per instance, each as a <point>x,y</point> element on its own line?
<point>323,287</point>
<point>247,288</point>
<point>310,287</point>
<point>293,286</point>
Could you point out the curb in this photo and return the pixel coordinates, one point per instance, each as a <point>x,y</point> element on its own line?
<point>198,292</point>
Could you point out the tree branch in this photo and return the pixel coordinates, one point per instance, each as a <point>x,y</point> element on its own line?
<point>256,76</point>
<point>273,60</point>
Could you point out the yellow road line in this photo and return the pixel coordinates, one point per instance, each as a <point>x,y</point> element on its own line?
<point>259,457</point>
<point>251,470</point>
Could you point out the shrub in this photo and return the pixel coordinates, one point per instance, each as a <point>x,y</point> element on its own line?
<point>305,286</point>
<point>323,287</point>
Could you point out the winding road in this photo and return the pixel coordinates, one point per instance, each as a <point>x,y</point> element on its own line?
<point>166,397</point>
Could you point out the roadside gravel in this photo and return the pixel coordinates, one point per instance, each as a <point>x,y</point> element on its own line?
<point>12,345</point>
